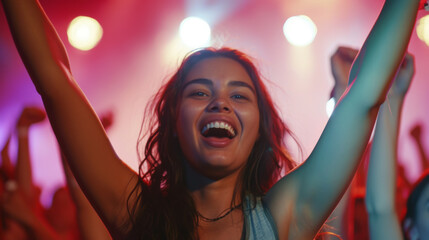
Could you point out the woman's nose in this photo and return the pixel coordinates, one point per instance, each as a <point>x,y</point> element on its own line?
<point>219,105</point>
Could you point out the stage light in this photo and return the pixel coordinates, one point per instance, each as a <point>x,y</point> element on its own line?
<point>195,32</point>
<point>423,29</point>
<point>84,33</point>
<point>299,30</point>
<point>330,105</point>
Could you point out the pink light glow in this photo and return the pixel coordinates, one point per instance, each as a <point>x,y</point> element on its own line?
<point>129,64</point>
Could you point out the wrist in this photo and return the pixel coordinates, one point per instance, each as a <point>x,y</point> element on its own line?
<point>395,100</point>
<point>22,131</point>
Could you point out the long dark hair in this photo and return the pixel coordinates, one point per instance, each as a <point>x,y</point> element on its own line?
<point>165,208</point>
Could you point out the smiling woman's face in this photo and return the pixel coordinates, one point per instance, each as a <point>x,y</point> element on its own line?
<point>218,118</point>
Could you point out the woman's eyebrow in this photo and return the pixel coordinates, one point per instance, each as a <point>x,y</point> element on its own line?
<point>203,81</point>
<point>241,84</point>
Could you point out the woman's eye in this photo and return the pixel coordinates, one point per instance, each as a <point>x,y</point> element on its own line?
<point>238,96</point>
<point>199,94</point>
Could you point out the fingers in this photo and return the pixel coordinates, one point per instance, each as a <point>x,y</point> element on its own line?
<point>341,62</point>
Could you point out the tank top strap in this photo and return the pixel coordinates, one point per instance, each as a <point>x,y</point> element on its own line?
<point>258,222</point>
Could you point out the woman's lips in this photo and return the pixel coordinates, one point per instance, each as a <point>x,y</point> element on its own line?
<point>217,142</point>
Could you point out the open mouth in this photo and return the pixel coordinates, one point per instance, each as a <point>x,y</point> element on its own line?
<point>218,129</point>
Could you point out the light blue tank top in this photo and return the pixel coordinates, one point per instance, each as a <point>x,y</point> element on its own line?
<point>258,222</point>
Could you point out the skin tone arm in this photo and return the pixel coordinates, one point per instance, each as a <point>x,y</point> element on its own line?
<point>90,225</point>
<point>381,184</point>
<point>6,163</point>
<point>19,200</point>
<point>29,116</point>
<point>104,178</point>
<point>24,211</point>
<point>307,196</point>
<point>341,62</point>
<point>7,172</point>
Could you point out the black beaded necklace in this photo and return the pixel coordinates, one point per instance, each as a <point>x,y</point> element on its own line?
<point>228,211</point>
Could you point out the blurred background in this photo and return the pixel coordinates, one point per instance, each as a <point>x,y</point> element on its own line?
<point>139,43</point>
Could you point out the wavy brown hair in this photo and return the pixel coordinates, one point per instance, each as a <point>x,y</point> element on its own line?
<point>165,208</point>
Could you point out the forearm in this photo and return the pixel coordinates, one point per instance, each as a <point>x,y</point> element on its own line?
<point>338,152</point>
<point>23,164</point>
<point>6,163</point>
<point>385,226</point>
<point>381,183</point>
<point>383,50</point>
<point>30,27</point>
<point>75,124</point>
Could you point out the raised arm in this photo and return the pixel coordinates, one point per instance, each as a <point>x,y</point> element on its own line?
<point>381,183</point>
<point>318,184</point>
<point>23,170</point>
<point>104,178</point>
<point>6,168</point>
<point>26,213</point>
<point>90,225</point>
<point>341,62</point>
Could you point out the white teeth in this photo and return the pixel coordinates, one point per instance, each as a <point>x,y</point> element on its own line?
<point>218,125</point>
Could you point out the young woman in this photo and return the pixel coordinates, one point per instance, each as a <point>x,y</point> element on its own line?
<point>216,147</point>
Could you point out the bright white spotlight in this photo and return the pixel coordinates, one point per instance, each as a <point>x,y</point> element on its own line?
<point>330,105</point>
<point>299,30</point>
<point>84,33</point>
<point>423,29</point>
<point>195,32</point>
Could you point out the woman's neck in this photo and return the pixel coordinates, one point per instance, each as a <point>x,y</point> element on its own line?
<point>213,197</point>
